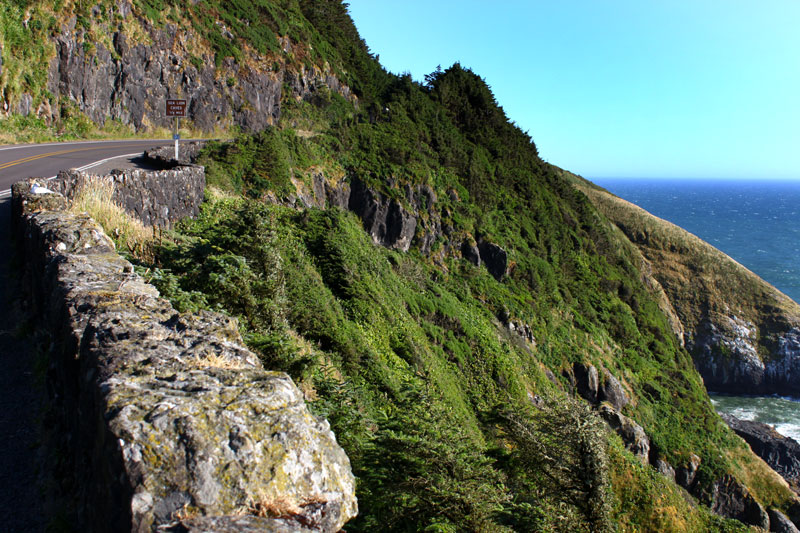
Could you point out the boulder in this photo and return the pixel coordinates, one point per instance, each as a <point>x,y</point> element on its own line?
<point>731,499</point>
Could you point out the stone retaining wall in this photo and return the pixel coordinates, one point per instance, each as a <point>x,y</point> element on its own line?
<point>165,420</point>
<point>157,198</point>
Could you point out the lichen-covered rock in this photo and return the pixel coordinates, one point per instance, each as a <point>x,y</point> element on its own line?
<point>239,524</point>
<point>224,440</point>
<point>165,415</point>
<point>23,201</point>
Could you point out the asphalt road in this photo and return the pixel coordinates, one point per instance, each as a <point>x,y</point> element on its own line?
<point>45,160</point>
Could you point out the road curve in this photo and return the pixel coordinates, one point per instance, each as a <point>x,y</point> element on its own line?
<point>19,162</point>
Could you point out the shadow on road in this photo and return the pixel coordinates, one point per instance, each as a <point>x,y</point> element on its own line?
<point>21,500</point>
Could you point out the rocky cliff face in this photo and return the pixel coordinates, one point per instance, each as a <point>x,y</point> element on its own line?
<point>128,78</point>
<point>410,215</point>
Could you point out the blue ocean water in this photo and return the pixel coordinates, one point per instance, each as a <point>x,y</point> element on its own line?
<point>755,222</point>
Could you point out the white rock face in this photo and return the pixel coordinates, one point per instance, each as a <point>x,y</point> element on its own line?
<point>786,367</point>
<point>729,359</point>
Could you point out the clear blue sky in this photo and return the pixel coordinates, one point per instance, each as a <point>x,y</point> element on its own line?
<point>613,88</point>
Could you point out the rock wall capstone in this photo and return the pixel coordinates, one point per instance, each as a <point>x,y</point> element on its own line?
<point>165,421</point>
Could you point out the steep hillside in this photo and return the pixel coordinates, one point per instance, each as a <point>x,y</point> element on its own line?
<point>493,353</point>
<point>743,334</point>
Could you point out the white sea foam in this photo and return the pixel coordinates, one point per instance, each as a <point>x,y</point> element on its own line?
<point>789,430</point>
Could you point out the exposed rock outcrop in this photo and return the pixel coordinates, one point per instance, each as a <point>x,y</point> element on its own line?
<point>612,391</point>
<point>779,523</point>
<point>781,453</point>
<point>632,434</point>
<point>470,252</point>
<point>743,334</point>
<point>783,370</point>
<point>732,500</point>
<point>385,219</point>
<point>727,357</point>
<point>162,416</point>
<point>587,381</point>
<point>665,469</point>
<point>686,473</point>
<point>494,257</point>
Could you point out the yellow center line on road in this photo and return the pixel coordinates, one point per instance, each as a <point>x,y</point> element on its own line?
<point>42,156</point>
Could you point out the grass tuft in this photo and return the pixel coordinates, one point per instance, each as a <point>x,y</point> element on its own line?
<point>95,196</point>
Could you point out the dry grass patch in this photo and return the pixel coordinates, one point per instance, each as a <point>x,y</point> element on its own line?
<point>281,506</point>
<point>215,360</point>
<point>274,507</point>
<point>95,196</point>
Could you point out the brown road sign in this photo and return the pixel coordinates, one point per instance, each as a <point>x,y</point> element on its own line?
<point>176,108</point>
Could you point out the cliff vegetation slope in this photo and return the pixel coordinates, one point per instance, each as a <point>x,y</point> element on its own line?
<point>741,331</point>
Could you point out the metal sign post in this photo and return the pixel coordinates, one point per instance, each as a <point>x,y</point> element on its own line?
<point>177,109</point>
